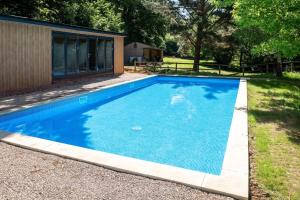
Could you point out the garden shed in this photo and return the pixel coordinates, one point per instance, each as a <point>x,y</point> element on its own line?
<point>141,52</point>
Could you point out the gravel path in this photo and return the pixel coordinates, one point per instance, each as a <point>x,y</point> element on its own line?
<point>26,174</point>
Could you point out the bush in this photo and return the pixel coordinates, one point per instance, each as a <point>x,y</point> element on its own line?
<point>223,56</point>
<point>171,48</point>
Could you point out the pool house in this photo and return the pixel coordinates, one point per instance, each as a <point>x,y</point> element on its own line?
<point>33,53</point>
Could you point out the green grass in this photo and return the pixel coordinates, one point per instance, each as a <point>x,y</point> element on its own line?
<point>274,128</point>
<point>292,76</point>
<point>188,62</point>
<point>179,60</point>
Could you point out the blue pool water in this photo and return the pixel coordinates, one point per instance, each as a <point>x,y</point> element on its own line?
<point>178,121</point>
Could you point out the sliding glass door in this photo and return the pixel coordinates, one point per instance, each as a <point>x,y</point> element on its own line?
<point>58,55</point>
<point>72,67</point>
<point>101,55</point>
<point>92,54</point>
<point>109,55</point>
<point>74,54</point>
<point>82,55</point>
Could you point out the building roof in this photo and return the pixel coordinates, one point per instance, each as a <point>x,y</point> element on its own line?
<point>56,25</point>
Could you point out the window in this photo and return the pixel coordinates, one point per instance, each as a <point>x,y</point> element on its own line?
<point>101,55</point>
<point>92,55</point>
<point>109,55</point>
<point>78,54</point>
<point>82,55</point>
<point>58,61</point>
<point>71,56</point>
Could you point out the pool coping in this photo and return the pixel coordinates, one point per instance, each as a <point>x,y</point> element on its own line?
<point>234,178</point>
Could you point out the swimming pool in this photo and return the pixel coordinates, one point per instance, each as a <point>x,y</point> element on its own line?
<point>177,121</point>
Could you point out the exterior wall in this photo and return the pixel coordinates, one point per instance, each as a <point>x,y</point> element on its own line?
<point>119,55</point>
<point>153,54</point>
<point>25,56</point>
<point>129,51</point>
<point>141,50</point>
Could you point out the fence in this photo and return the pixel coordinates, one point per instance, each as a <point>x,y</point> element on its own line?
<point>204,67</point>
<point>180,66</point>
<point>288,66</point>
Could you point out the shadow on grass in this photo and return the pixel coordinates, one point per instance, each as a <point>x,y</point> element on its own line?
<point>279,104</point>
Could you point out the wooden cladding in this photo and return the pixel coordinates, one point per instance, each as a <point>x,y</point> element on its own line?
<point>119,55</point>
<point>25,56</point>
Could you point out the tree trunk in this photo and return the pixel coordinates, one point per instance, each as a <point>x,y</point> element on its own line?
<point>196,65</point>
<point>241,58</point>
<point>279,67</point>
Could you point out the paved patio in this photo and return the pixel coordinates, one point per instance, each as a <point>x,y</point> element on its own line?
<point>63,88</point>
<point>26,174</point>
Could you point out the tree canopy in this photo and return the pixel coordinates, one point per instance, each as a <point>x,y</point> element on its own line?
<point>91,13</point>
<point>131,16</point>
<point>279,20</point>
<point>142,24</point>
<point>198,22</point>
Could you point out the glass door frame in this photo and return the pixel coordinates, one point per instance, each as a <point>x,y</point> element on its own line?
<point>66,35</point>
<point>83,37</point>
<point>58,34</point>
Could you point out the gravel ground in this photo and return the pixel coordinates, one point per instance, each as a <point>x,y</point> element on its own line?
<point>26,174</point>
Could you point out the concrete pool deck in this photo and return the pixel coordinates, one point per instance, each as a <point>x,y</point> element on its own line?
<point>63,89</point>
<point>233,180</point>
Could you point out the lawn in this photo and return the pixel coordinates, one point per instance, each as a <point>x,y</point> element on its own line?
<point>274,129</point>
<point>188,63</point>
<point>184,65</point>
<point>178,60</point>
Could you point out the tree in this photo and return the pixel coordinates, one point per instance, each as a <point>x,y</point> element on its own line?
<point>172,46</point>
<point>223,48</point>
<point>25,8</point>
<point>278,20</point>
<point>106,17</point>
<point>140,23</point>
<point>198,21</point>
<point>91,13</point>
<point>247,38</point>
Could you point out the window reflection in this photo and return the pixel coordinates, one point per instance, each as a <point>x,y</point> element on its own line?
<point>58,56</point>
<point>80,54</point>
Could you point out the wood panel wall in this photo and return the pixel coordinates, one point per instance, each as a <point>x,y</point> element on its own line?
<point>119,55</point>
<point>25,56</point>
